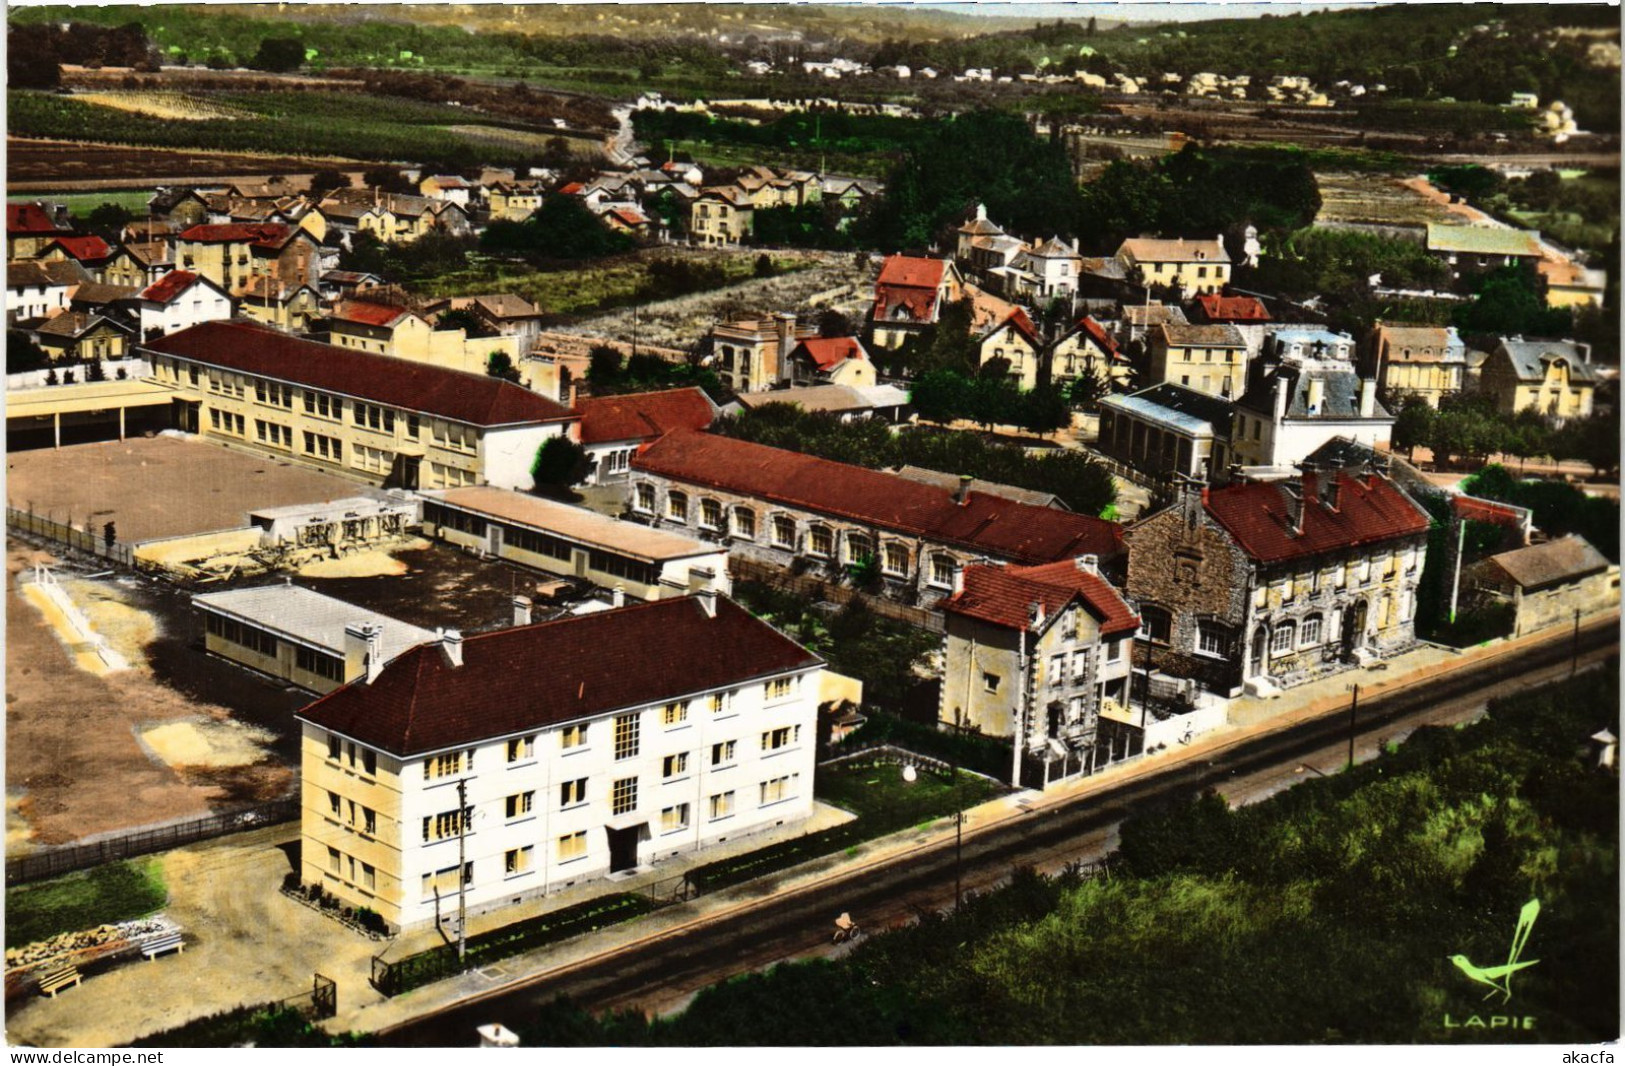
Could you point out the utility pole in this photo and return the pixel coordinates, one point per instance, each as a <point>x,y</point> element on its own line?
<point>462,881</point>
<point>959,811</point>
<point>1574,664</point>
<point>1455,584</point>
<point>1354,705</point>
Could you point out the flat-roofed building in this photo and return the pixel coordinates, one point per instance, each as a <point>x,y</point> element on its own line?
<point>521,762</point>
<point>377,419</point>
<point>302,637</point>
<point>648,564</point>
<point>1168,430</point>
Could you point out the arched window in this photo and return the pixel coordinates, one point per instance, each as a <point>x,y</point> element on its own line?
<point>710,514</point>
<point>744,522</point>
<point>1156,625</point>
<point>943,568</point>
<point>820,541</point>
<point>858,548</point>
<point>645,500</point>
<point>895,561</point>
<point>784,532</point>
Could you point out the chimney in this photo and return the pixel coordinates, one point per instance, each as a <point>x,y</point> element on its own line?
<point>958,580</point>
<point>1035,613</point>
<point>1331,492</point>
<point>1283,391</point>
<point>617,596</point>
<point>1089,564</point>
<point>963,491</point>
<point>1368,397</point>
<point>363,652</point>
<point>1294,507</point>
<point>521,610</point>
<point>708,601</point>
<point>451,646</point>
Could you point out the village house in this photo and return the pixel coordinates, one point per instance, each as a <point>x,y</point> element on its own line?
<point>290,307</point>
<point>1293,407</point>
<point>910,295</point>
<point>601,744</point>
<point>91,253</point>
<point>513,201</point>
<point>1473,251</point>
<point>573,542</point>
<point>1167,433</point>
<point>112,301</point>
<point>1015,340</point>
<point>501,313</point>
<point>831,361</point>
<point>402,334</point>
<point>30,227</point>
<point>614,427</point>
<point>180,207</point>
<point>1032,654</point>
<point>1425,361</point>
<point>179,300</point>
<point>1547,584</point>
<point>368,417</point>
<point>722,215</point>
<point>138,263</point>
<point>300,636</point>
<point>80,336</point>
<point>1140,319</point>
<point>450,187</point>
<point>1210,359</point>
<point>1193,267</point>
<point>752,354</point>
<point>36,290</point>
<point>231,255</point>
<point>1555,378</point>
<point>1269,584</point>
<point>1087,348</point>
<point>796,512</point>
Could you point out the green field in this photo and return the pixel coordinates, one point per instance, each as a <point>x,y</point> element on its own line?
<point>82,203</point>
<point>116,892</point>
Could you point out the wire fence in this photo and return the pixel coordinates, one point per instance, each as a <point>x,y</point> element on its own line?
<point>64,533</point>
<point>57,861</point>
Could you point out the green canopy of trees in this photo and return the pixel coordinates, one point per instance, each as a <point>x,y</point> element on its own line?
<point>562,228</point>
<point>279,55</point>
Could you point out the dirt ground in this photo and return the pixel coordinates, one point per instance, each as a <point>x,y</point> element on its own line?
<point>52,166</point>
<point>78,762</point>
<point>154,487</point>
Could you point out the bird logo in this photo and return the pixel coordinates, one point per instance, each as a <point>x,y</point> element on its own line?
<point>1499,978</point>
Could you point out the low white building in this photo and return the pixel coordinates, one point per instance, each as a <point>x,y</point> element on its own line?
<point>525,761</point>
<point>179,300</point>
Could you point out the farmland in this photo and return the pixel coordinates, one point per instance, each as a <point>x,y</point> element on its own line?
<point>1375,198</point>
<point>53,165</point>
<point>184,107</point>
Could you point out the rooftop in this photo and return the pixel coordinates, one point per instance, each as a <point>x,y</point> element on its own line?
<point>1004,596</point>
<point>1178,250</point>
<point>1182,335</point>
<point>518,680</point>
<point>1233,308</point>
<point>575,523</point>
<point>1369,510</point>
<point>1553,563</point>
<point>308,617</point>
<point>1179,407</point>
<point>1483,240</point>
<point>639,415</point>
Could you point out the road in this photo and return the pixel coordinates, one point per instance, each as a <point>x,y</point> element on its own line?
<point>661,974</point>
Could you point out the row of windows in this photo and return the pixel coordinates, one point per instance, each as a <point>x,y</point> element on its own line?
<point>380,418</point>
<point>327,447</point>
<point>375,460</point>
<point>322,665</point>
<point>346,868</point>
<point>442,476</point>
<point>273,393</point>
<point>255,640</point>
<point>360,817</point>
<point>227,422</point>
<point>339,751</point>
<point>272,433</point>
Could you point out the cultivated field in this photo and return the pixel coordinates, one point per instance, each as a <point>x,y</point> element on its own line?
<point>183,107</point>
<point>52,165</point>
<point>1376,198</point>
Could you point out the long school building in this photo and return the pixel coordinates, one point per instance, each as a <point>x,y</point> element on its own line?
<point>554,754</point>
<point>385,421</point>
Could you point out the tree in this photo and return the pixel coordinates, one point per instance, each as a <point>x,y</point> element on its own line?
<point>500,365</point>
<point>1508,304</point>
<point>108,219</point>
<point>1593,439</point>
<point>1088,388</point>
<point>562,228</point>
<point>560,463</point>
<point>1413,426</point>
<point>952,347</point>
<point>603,366</point>
<point>464,319</point>
<point>831,323</point>
<point>387,179</point>
<point>95,371</point>
<point>279,55</point>
<point>764,266</point>
<point>328,179</point>
<point>1045,410</point>
<point>23,354</point>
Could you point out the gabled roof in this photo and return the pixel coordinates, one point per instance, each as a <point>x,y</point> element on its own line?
<point>24,220</point>
<point>166,200</point>
<point>1153,314</point>
<point>95,293</point>
<point>999,527</point>
<point>574,188</point>
<point>263,287</point>
<point>369,314</point>
<point>1529,359</point>
<point>1179,250</point>
<point>1483,240</point>
<point>147,253</point>
<point>1233,308</point>
<point>350,277</point>
<point>1553,563</point>
<point>169,287</point>
<point>1182,335</point>
<point>915,272</point>
<point>642,415</point>
<point>473,399</point>
<point>1097,333</point>
<point>84,249</point>
<point>1017,320</point>
<point>1427,344</point>
<point>980,227</point>
<point>1370,510</point>
<point>828,353</point>
<point>262,233</point>
<point>630,216</point>
<point>26,273</point>
<point>1004,596</point>
<point>75,324</point>
<point>1054,248</point>
<point>519,680</point>
<point>836,399</point>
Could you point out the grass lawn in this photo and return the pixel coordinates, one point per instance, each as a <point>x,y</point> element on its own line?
<point>83,203</point>
<point>116,892</point>
<point>885,803</point>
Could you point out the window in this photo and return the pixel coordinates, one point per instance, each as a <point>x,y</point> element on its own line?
<point>744,522</point>
<point>710,514</point>
<point>820,542</point>
<point>722,753</point>
<point>1057,670</point>
<point>572,846</point>
<point>369,821</point>
<point>1114,651</point>
<point>1156,625</point>
<point>719,702</point>
<point>674,818</point>
<point>778,789</point>
<point>369,876</point>
<point>779,688</point>
<point>516,861</point>
<point>333,860</point>
<point>674,713</point>
<point>1281,639</point>
<point>1080,664</point>
<point>333,803</point>
<point>623,795</point>
<point>784,532</point>
<point>774,739</point>
<point>573,736</point>
<point>446,824</point>
<point>858,548</point>
<point>333,746</point>
<point>521,748</point>
<point>626,736</point>
<point>895,560</point>
<point>943,568</point>
<point>674,765</point>
<point>677,506</point>
<point>1209,639</point>
<point>369,761</point>
<point>644,500</point>
<point>722,806</point>
<point>990,682</point>
<point>520,803</point>
<point>443,765</point>
<point>1309,633</point>
<point>572,793</point>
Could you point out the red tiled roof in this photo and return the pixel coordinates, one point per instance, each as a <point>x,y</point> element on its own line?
<point>474,399</point>
<point>827,353</point>
<point>912,272</point>
<point>643,415</point>
<point>1501,514</point>
<point>1255,514</point>
<point>1098,334</point>
<point>261,233</point>
<point>369,314</point>
<point>29,219</point>
<point>629,216</point>
<point>83,248</point>
<point>1004,595</point>
<point>1233,308</point>
<point>998,526</point>
<point>572,189</point>
<point>170,286</point>
<point>530,677</point>
<point>1017,318</point>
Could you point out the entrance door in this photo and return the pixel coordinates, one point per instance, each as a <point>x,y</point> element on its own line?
<point>623,848</point>
<point>1256,660</point>
<point>493,538</point>
<point>1353,629</point>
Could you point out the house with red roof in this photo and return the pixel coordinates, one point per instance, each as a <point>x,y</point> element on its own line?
<point>365,416</point>
<point>1214,308</point>
<point>801,513</point>
<point>614,427</point>
<point>1267,584</point>
<point>90,252</point>
<point>910,295</point>
<point>179,300</point>
<point>230,254</point>
<point>510,765</point>
<point>30,227</point>
<point>1088,348</point>
<point>1032,654</point>
<point>831,361</point>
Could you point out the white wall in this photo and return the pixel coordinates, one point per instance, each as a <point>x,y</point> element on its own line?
<point>1293,441</point>
<point>506,455</point>
<point>196,305</point>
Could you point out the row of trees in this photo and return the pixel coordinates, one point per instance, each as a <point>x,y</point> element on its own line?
<point>1467,426</point>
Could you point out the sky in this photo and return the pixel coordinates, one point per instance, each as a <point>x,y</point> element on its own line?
<point>1134,12</point>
